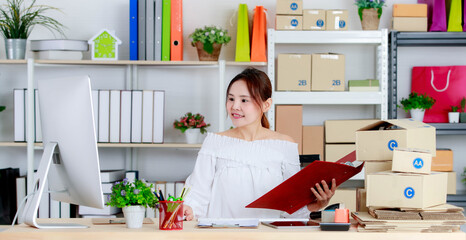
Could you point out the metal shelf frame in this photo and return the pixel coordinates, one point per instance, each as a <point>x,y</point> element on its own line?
<point>420,39</point>
<point>378,38</point>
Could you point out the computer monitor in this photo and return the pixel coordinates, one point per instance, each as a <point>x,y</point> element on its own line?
<point>70,162</point>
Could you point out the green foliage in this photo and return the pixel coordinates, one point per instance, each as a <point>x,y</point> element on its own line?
<point>464,175</point>
<point>2,108</point>
<point>190,120</point>
<point>208,36</point>
<point>17,20</point>
<point>367,4</point>
<point>132,193</point>
<point>417,101</point>
<point>454,108</point>
<point>463,104</point>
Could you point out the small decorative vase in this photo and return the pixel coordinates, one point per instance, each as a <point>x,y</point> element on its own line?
<point>134,216</point>
<point>15,48</point>
<point>453,117</point>
<point>417,114</point>
<point>370,19</point>
<point>205,56</point>
<point>463,117</point>
<point>192,135</point>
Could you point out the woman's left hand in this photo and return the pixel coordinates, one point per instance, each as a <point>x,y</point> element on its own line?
<point>323,195</point>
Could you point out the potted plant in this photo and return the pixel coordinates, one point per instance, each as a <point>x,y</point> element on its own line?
<point>369,12</point>
<point>192,125</point>
<point>17,21</point>
<point>453,115</point>
<point>463,108</point>
<point>208,41</point>
<point>134,198</point>
<point>416,104</point>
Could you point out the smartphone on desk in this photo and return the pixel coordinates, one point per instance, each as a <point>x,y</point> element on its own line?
<point>292,224</point>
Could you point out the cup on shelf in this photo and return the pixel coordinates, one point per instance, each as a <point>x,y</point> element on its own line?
<point>171,215</point>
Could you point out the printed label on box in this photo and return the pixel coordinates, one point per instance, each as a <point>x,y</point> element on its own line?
<point>392,144</point>
<point>418,163</point>
<point>294,6</point>
<point>409,192</point>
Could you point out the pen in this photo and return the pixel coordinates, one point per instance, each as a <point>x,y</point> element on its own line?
<point>161,195</point>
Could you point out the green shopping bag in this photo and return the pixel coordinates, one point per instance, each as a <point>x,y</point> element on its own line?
<point>242,35</point>
<point>454,16</point>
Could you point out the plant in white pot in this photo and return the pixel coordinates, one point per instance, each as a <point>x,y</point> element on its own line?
<point>134,198</point>
<point>17,21</point>
<point>192,125</point>
<point>416,104</point>
<point>453,115</point>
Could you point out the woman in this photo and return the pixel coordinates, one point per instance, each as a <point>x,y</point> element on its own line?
<point>237,166</point>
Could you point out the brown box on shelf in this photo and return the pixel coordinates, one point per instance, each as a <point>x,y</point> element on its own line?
<point>451,183</point>
<point>289,7</point>
<point>377,141</point>
<point>337,20</point>
<point>443,162</point>
<point>314,19</point>
<point>313,140</point>
<point>406,190</point>
<point>294,72</point>
<point>288,22</point>
<point>328,72</point>
<point>409,24</point>
<point>346,196</point>
<point>334,152</point>
<point>361,200</point>
<point>344,131</point>
<point>409,10</point>
<point>289,121</point>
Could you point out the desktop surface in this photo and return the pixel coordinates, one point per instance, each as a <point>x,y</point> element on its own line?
<point>190,231</point>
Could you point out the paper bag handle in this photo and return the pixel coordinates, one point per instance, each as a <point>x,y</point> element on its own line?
<point>432,81</point>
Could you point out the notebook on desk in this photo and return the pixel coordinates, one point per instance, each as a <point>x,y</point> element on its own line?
<point>228,222</point>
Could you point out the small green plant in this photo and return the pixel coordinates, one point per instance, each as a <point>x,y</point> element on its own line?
<point>18,19</point>
<point>190,120</point>
<point>2,108</point>
<point>454,108</point>
<point>208,36</point>
<point>417,101</point>
<point>126,193</point>
<point>464,176</point>
<point>463,104</point>
<point>367,4</point>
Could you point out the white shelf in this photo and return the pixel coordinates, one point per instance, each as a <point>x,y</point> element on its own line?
<point>328,98</point>
<point>115,145</point>
<point>328,37</point>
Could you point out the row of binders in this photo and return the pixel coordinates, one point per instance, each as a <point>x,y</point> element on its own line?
<point>156,30</point>
<point>121,116</point>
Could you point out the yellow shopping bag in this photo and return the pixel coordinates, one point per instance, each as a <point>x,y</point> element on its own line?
<point>242,35</point>
<point>454,16</point>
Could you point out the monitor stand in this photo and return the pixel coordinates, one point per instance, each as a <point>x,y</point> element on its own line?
<point>32,205</point>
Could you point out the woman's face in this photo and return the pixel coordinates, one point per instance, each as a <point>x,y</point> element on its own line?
<point>241,106</point>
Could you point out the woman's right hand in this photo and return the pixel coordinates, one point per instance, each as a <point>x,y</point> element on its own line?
<point>188,212</point>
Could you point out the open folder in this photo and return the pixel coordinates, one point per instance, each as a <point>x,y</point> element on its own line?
<point>295,193</point>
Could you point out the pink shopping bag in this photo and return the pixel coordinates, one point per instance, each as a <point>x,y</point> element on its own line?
<point>437,15</point>
<point>446,84</point>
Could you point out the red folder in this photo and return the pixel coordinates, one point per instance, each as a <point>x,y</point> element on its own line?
<point>176,33</point>
<point>295,193</point>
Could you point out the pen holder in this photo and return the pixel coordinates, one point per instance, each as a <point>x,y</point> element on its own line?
<point>171,215</point>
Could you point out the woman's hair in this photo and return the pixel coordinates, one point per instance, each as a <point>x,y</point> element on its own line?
<point>259,87</point>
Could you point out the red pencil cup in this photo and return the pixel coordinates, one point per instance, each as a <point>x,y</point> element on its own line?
<point>171,215</point>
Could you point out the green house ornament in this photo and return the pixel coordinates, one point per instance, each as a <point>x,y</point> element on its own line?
<point>104,45</point>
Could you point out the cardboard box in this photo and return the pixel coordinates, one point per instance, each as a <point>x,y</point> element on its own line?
<point>314,19</point>
<point>334,152</point>
<point>289,121</point>
<point>443,161</point>
<point>375,167</point>
<point>328,72</point>
<point>344,131</point>
<point>294,72</point>
<point>361,200</point>
<point>451,183</point>
<point>337,20</point>
<point>346,196</point>
<point>409,24</point>
<point>289,7</point>
<point>290,22</point>
<point>406,190</point>
<point>411,161</point>
<point>368,85</point>
<point>313,140</point>
<point>409,10</point>
<point>377,141</point>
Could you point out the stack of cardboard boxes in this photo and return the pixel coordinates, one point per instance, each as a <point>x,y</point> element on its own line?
<point>289,15</point>
<point>410,17</point>
<point>443,162</point>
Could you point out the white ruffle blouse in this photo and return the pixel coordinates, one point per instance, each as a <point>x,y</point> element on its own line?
<point>230,173</point>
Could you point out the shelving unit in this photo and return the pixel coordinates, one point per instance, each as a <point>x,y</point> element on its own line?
<point>421,39</point>
<point>375,38</point>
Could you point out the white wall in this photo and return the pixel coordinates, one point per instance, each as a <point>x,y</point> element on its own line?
<point>196,89</point>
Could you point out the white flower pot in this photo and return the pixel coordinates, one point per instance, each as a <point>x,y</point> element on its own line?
<point>134,216</point>
<point>192,135</point>
<point>417,114</point>
<point>453,117</point>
